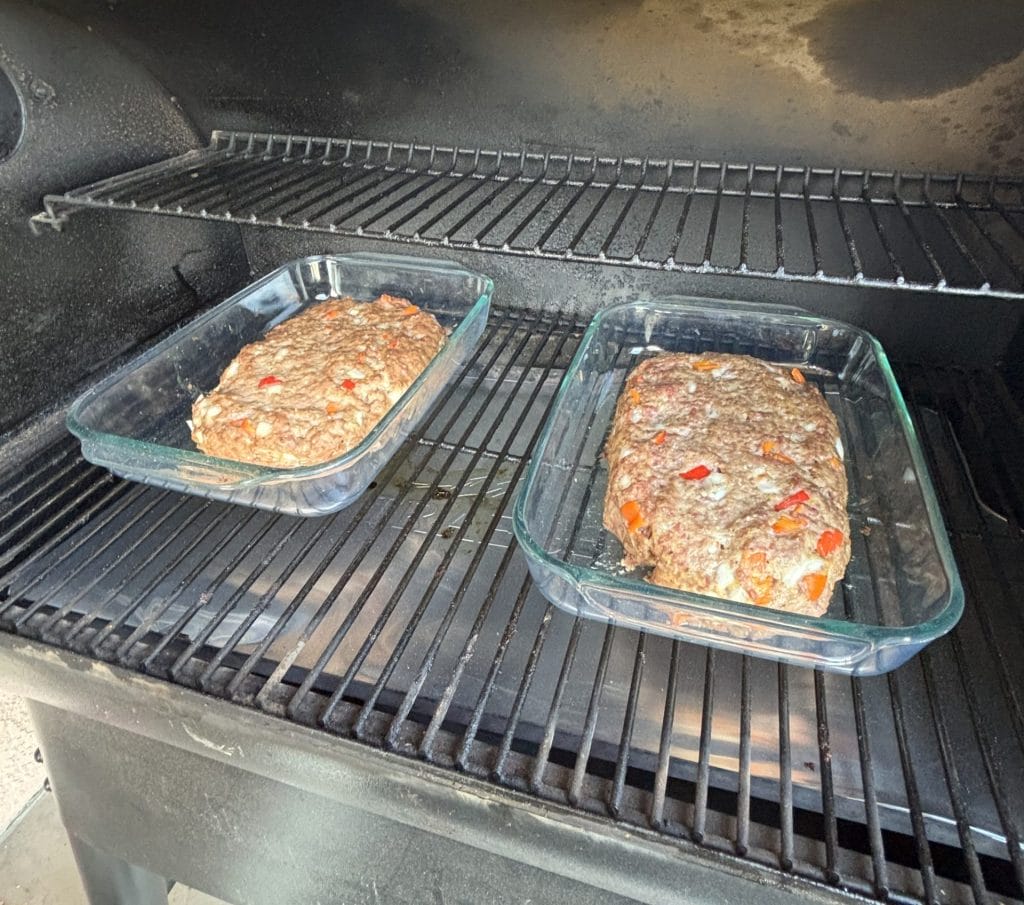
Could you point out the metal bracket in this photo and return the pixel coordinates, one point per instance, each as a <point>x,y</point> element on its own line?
<point>49,216</point>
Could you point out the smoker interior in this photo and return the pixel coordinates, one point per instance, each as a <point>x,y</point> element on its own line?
<point>408,623</point>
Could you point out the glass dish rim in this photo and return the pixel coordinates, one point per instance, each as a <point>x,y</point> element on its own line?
<point>250,475</point>
<point>878,636</point>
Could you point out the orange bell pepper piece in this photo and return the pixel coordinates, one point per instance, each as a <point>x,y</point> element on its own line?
<point>829,542</point>
<point>813,585</point>
<point>631,513</point>
<point>786,524</point>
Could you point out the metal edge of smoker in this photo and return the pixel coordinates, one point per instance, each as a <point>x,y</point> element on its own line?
<point>173,737</point>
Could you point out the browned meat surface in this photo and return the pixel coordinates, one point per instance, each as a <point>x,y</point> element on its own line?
<point>317,384</point>
<point>725,473</point>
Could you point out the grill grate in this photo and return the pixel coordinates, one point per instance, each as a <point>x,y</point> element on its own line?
<point>409,622</point>
<point>947,233</point>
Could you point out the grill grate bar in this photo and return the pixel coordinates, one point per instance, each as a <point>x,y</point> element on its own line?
<point>548,740</point>
<point>990,762</point>
<point>590,727</point>
<point>645,233</point>
<point>628,724</point>
<point>665,742</point>
<point>874,829</point>
<point>827,787</point>
<point>510,240</point>
<point>304,183</point>
<point>341,189</point>
<point>780,240</point>
<point>743,804</point>
<point>540,244</point>
<point>386,560</point>
<point>958,241</point>
<point>462,197</point>
<point>463,752</point>
<point>620,219</point>
<point>404,199</point>
<point>433,199</point>
<point>149,660</point>
<point>786,848</point>
<point>96,642</point>
<point>704,749</point>
<point>713,224</point>
<point>883,236</point>
<point>507,738</point>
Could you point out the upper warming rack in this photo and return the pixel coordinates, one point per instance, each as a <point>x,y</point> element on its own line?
<point>947,233</point>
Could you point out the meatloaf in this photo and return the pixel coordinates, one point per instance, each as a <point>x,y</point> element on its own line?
<point>316,385</point>
<point>725,474</point>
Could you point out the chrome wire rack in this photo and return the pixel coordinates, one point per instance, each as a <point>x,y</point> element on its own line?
<point>947,233</point>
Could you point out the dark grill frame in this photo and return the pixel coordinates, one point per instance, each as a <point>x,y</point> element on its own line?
<point>58,512</point>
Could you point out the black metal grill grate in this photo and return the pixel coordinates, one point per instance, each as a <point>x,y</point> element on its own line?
<point>409,622</point>
<point>948,233</point>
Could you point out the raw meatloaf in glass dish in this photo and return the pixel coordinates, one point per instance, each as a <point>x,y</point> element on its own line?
<point>136,421</point>
<point>900,589</point>
<point>725,474</point>
<point>317,384</point>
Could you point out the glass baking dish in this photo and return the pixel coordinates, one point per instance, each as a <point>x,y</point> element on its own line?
<point>901,588</point>
<point>134,422</point>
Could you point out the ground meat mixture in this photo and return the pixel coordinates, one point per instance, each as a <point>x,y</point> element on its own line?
<point>725,473</point>
<point>317,384</point>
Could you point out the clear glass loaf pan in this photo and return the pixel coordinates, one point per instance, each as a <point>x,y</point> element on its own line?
<point>134,422</point>
<point>901,588</point>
